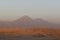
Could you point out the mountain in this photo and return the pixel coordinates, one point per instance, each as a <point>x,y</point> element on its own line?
<point>28,22</point>
<point>23,19</point>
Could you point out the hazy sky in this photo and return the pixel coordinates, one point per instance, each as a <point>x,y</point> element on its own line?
<point>46,9</point>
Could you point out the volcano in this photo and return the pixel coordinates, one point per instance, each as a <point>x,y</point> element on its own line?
<point>27,22</point>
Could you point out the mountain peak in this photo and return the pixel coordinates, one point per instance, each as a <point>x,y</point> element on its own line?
<point>24,18</point>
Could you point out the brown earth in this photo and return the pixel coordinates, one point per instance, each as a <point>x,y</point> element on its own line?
<point>51,32</point>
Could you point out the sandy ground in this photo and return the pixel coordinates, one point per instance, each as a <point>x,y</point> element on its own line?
<point>26,37</point>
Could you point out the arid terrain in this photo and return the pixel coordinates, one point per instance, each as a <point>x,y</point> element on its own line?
<point>29,33</point>
<point>26,28</point>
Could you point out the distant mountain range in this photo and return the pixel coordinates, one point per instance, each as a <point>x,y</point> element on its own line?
<point>27,22</point>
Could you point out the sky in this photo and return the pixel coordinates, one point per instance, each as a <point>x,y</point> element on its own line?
<point>46,9</point>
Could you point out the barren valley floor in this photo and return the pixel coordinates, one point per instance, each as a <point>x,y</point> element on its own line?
<point>13,37</point>
<point>29,34</point>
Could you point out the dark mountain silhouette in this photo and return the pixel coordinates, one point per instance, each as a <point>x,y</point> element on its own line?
<point>26,21</point>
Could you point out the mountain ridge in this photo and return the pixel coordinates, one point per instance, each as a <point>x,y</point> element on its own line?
<point>26,21</point>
